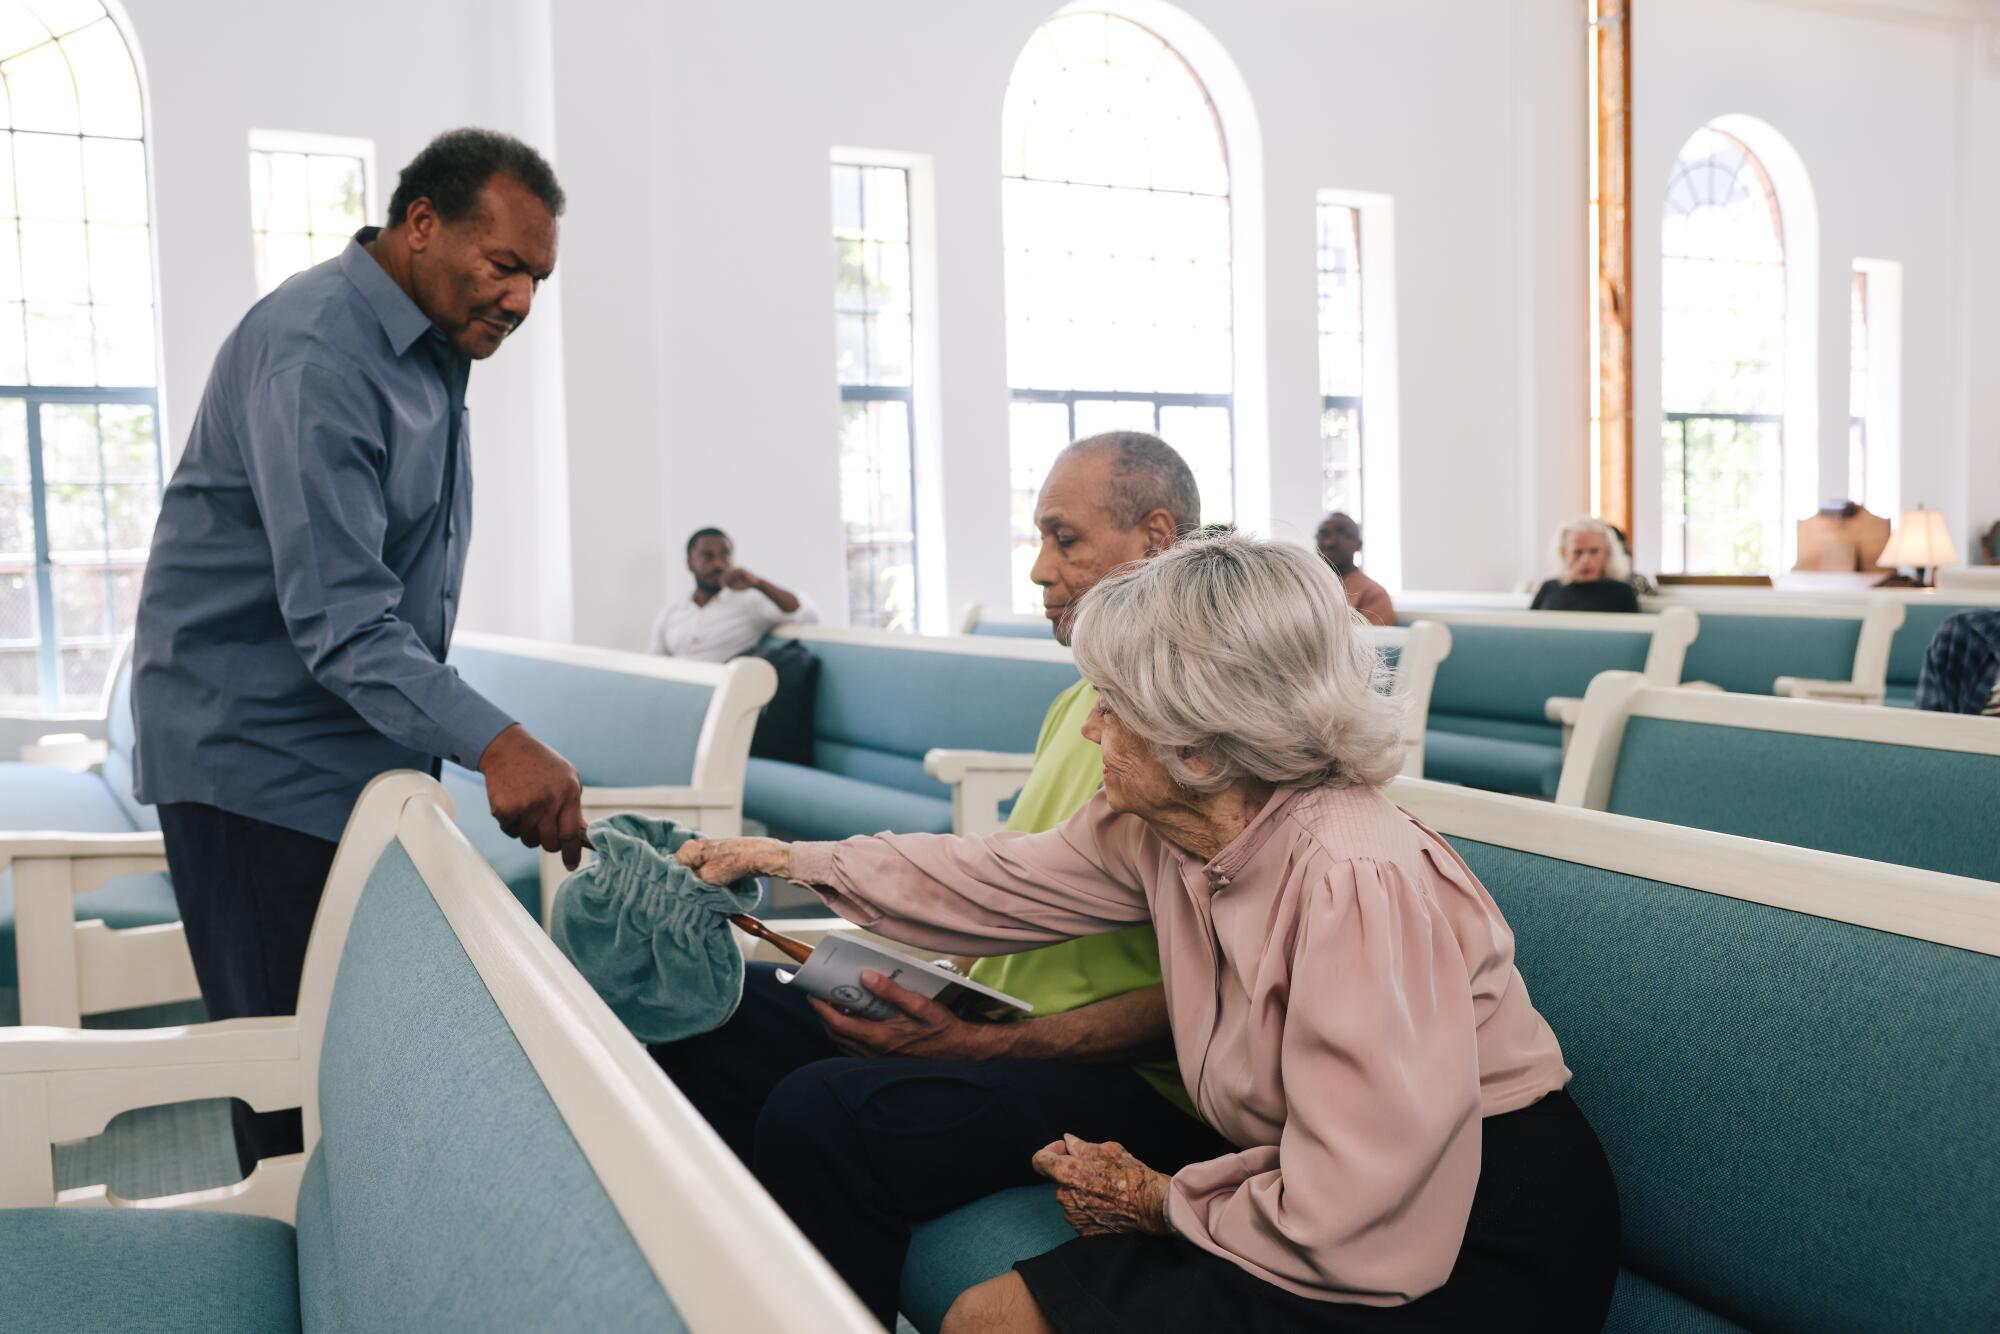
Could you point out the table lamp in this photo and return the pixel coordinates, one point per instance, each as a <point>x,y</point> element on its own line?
<point>1920,541</point>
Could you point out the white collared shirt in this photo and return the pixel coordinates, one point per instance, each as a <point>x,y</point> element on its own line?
<point>729,626</point>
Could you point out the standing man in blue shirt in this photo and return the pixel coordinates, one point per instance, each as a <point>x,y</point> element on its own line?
<point>305,573</point>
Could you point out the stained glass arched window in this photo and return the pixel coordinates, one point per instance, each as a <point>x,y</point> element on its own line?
<point>1722,382</point>
<point>79,438</point>
<point>1115,193</point>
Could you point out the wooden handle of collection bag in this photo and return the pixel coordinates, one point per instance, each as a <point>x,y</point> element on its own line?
<point>795,950</point>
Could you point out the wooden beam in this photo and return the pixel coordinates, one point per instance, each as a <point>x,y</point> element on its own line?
<point>1611,254</point>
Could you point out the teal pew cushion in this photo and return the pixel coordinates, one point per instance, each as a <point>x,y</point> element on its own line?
<point>1641,1306</point>
<point>812,804</point>
<point>446,1192</point>
<point>41,796</point>
<point>1900,696</point>
<point>908,701</point>
<point>619,729</point>
<point>1748,653</point>
<point>980,1241</point>
<point>518,865</point>
<point>1525,767</point>
<point>1510,672</point>
<point>1016,629</point>
<point>649,935</point>
<point>1902,804</point>
<point>161,1271</point>
<point>1796,1110</point>
<point>877,713</point>
<point>883,768</point>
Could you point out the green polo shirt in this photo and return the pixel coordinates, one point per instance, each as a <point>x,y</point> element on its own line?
<point>1068,772</point>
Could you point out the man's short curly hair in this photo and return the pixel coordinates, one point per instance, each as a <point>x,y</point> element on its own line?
<point>454,167</point>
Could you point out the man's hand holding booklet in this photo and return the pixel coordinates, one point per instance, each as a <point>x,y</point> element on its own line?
<point>833,974</point>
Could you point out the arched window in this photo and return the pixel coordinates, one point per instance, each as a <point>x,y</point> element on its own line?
<point>1722,382</point>
<point>79,440</point>
<point>1116,222</point>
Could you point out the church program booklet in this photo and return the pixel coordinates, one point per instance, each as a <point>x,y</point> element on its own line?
<point>834,975</point>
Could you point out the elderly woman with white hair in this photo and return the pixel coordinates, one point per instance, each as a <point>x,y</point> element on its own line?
<point>1596,572</point>
<point>1394,1148</point>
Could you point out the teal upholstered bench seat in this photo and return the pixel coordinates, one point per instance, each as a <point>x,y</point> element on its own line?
<point>1886,786</point>
<point>612,715</point>
<point>1495,754</point>
<point>1747,653</point>
<point>1898,696</point>
<point>1489,726</point>
<point>487,1147</point>
<point>812,803</point>
<point>883,702</point>
<point>165,1271</point>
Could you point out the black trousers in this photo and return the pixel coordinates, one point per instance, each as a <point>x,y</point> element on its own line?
<point>859,1151</point>
<point>1540,1253</point>
<point>248,892</point>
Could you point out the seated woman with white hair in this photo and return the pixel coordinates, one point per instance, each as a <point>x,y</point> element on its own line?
<point>1394,1148</point>
<point>1596,572</point>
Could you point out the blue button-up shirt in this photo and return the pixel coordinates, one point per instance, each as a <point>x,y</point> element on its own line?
<point>305,569</point>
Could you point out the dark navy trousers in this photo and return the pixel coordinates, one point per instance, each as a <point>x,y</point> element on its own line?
<point>859,1151</point>
<point>248,892</point>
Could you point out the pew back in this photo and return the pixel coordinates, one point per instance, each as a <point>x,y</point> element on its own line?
<point>1890,785</point>
<point>1797,1145</point>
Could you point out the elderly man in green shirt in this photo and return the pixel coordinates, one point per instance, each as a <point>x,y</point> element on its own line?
<point>861,1129</point>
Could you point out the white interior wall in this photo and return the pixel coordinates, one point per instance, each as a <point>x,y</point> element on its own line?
<point>678,371</point>
<point>1872,100</point>
<point>217,69</point>
<point>734,265</point>
<point>1979,292</point>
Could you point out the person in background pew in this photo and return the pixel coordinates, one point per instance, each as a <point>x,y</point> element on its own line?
<point>1392,1148</point>
<point>785,1082</point>
<point>1596,572</point>
<point>1339,540</point>
<point>731,609</point>
<point>1962,666</point>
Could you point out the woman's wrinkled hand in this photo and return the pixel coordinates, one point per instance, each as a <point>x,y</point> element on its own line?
<point>723,860</point>
<point>1104,1189</point>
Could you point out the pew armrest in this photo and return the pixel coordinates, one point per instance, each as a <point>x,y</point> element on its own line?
<point>1838,692</point>
<point>980,780</point>
<point>62,1084</point>
<point>66,750</point>
<point>68,968</point>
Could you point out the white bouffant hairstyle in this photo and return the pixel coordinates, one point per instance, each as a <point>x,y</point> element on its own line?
<point>1244,655</point>
<point>1617,563</point>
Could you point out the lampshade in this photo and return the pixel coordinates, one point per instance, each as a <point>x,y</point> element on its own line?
<point>1920,540</point>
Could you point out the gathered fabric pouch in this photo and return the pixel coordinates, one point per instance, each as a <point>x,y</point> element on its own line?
<point>651,936</point>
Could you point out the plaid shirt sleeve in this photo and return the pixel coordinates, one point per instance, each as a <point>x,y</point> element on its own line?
<point>1962,665</point>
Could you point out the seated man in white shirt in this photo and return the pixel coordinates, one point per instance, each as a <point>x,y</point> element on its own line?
<point>731,609</point>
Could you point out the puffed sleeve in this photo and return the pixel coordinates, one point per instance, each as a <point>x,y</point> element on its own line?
<point>999,894</point>
<point>1367,1193</point>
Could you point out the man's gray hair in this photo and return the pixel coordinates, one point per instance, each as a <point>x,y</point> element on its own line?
<point>1242,653</point>
<point>1149,474</point>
